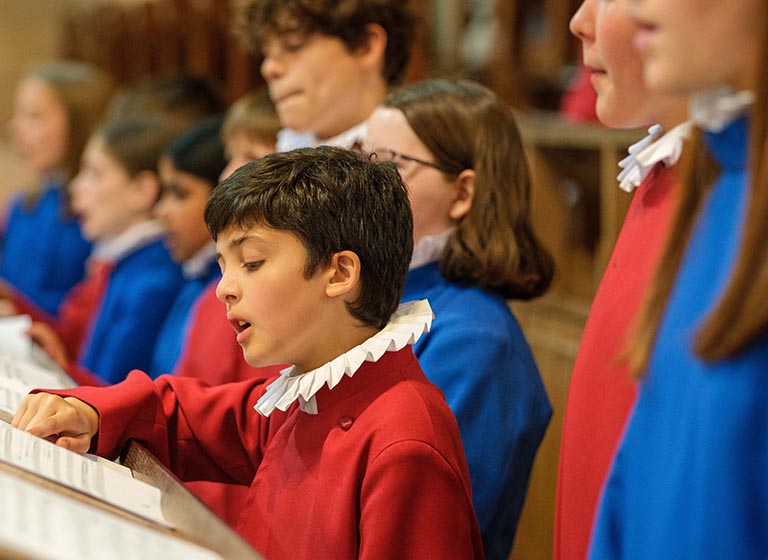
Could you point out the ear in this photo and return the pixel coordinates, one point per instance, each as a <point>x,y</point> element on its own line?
<point>464,194</point>
<point>146,189</point>
<point>371,53</point>
<point>343,274</point>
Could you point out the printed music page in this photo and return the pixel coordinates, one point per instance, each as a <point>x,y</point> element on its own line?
<point>80,472</point>
<point>41,523</point>
<point>14,341</point>
<point>17,378</point>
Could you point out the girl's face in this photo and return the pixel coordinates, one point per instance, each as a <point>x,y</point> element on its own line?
<point>39,126</point>
<point>694,45</point>
<point>181,210</point>
<point>616,69</point>
<point>431,193</point>
<point>106,199</point>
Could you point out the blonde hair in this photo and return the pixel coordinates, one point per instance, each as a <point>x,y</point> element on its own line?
<point>254,115</point>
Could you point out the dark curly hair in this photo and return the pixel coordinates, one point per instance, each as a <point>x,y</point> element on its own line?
<point>256,20</point>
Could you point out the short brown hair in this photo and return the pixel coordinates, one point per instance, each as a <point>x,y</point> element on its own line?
<point>466,126</point>
<point>256,20</point>
<point>332,200</point>
<point>137,143</point>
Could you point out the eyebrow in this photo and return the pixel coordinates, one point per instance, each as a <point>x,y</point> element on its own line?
<point>237,241</point>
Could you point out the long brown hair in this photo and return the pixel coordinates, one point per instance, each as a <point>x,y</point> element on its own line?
<point>741,314</point>
<point>466,126</point>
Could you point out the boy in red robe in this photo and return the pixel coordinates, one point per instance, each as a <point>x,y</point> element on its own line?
<point>350,452</point>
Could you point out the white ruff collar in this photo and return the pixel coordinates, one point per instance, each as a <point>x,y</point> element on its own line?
<point>288,139</point>
<point>406,326</point>
<point>715,109</point>
<point>429,248</point>
<point>654,148</point>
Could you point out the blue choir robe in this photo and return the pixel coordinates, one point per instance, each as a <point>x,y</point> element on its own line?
<point>690,478</point>
<point>477,355</point>
<point>173,334</point>
<point>142,288</point>
<point>43,250</point>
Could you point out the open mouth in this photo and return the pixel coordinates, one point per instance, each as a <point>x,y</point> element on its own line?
<point>241,326</point>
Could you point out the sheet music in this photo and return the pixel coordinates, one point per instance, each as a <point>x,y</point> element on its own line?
<point>80,472</point>
<point>17,378</point>
<point>14,341</point>
<point>44,524</point>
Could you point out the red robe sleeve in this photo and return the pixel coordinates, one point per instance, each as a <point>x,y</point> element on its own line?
<point>200,432</point>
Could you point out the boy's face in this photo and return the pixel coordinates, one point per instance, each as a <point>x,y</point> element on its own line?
<point>316,83</point>
<point>271,305</point>
<point>103,194</point>
<point>181,210</point>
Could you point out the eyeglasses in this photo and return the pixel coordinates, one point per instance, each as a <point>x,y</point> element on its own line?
<point>402,160</point>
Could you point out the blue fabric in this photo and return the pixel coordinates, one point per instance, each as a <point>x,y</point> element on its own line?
<point>690,479</point>
<point>43,252</point>
<point>478,356</point>
<point>173,333</point>
<point>141,291</point>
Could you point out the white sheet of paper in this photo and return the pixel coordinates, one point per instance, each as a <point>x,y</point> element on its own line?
<point>44,524</point>
<point>79,472</point>
<point>11,393</point>
<point>17,378</point>
<point>14,341</point>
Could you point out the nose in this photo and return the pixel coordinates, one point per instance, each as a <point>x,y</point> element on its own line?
<point>161,208</point>
<point>227,290</point>
<point>271,67</point>
<point>582,24</point>
<point>76,184</point>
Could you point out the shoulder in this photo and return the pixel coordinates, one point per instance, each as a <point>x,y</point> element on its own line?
<point>411,408</point>
<point>470,308</point>
<point>152,260</point>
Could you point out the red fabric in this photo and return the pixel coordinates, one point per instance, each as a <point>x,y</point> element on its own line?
<point>601,393</point>
<point>211,353</point>
<point>78,309</point>
<point>379,472</point>
<point>82,376</point>
<point>579,100</point>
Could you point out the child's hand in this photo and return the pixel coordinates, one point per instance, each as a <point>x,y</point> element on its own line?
<point>68,422</point>
<point>51,342</point>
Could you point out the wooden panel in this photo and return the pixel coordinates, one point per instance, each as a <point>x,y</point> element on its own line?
<point>182,509</point>
<point>553,327</point>
<point>577,206</point>
<point>577,210</point>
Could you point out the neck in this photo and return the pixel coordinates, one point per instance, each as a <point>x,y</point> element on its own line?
<point>367,99</point>
<point>345,337</point>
